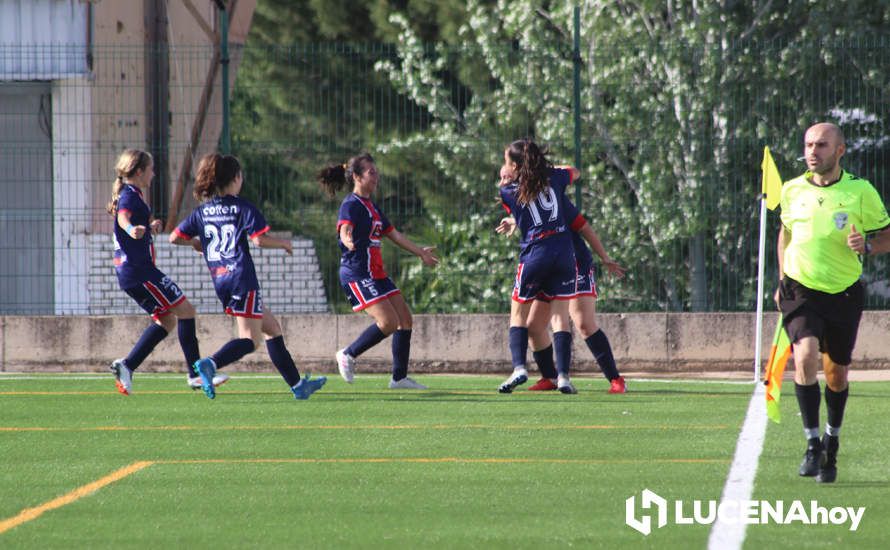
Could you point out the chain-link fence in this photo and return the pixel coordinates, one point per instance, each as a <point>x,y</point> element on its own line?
<point>670,157</point>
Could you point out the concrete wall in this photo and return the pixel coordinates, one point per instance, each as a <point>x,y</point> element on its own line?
<point>665,342</point>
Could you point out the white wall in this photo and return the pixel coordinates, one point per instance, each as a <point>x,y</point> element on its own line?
<point>43,39</point>
<point>72,169</point>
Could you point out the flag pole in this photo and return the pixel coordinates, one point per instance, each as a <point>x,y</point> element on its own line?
<point>761,256</point>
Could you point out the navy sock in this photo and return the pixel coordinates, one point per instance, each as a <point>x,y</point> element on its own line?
<point>599,346</point>
<point>189,343</point>
<point>282,360</point>
<point>401,349</point>
<point>835,403</point>
<point>808,400</point>
<point>518,345</point>
<point>232,351</point>
<point>544,359</point>
<point>562,343</point>
<point>365,341</point>
<point>151,337</point>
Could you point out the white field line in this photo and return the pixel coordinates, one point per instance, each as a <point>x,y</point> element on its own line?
<point>740,481</point>
<point>4,376</point>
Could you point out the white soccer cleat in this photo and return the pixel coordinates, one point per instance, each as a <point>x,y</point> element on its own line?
<point>346,365</point>
<point>519,376</point>
<point>405,384</point>
<point>218,380</point>
<point>564,385</point>
<point>123,376</point>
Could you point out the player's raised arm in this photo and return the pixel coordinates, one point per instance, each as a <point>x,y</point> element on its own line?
<point>265,241</point>
<point>575,173</point>
<point>425,253</point>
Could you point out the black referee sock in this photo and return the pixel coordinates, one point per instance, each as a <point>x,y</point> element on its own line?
<point>282,360</point>
<point>808,399</point>
<point>151,337</point>
<point>544,360</point>
<point>188,341</point>
<point>836,403</point>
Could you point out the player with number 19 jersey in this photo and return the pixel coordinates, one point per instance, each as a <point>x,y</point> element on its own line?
<point>224,225</point>
<point>547,267</point>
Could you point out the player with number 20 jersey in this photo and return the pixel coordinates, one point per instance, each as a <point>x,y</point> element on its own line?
<point>224,224</point>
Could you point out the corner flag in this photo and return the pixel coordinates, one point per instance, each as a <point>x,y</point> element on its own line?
<point>775,368</point>
<point>770,196</point>
<point>772,182</point>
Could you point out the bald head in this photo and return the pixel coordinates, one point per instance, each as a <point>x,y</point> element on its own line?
<point>823,148</point>
<point>828,130</point>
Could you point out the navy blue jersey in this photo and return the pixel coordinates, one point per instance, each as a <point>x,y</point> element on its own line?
<point>576,222</point>
<point>224,225</point>
<point>134,259</point>
<point>542,221</point>
<point>369,225</point>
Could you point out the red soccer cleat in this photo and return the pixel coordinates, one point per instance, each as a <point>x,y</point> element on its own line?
<point>544,384</point>
<point>617,385</point>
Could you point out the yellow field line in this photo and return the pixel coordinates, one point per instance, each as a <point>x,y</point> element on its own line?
<point>29,514</point>
<point>453,460</point>
<point>547,427</point>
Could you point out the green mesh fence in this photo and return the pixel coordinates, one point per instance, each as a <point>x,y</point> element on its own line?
<point>670,156</point>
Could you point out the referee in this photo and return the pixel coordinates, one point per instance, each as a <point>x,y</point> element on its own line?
<point>820,295</point>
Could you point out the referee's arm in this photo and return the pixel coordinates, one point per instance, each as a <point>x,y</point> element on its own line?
<point>784,237</point>
<point>876,242</point>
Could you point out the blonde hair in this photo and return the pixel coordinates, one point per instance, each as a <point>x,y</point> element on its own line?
<point>128,163</point>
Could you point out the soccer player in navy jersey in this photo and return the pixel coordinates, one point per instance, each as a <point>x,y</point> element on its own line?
<point>134,263</point>
<point>221,227</point>
<point>547,270</point>
<point>582,311</point>
<point>361,225</point>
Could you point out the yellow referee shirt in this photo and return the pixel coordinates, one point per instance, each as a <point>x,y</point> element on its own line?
<point>819,220</point>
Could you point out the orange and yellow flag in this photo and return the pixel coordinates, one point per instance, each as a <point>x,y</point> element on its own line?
<point>775,368</point>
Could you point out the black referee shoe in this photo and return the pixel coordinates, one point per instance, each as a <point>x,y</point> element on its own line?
<point>813,459</point>
<point>828,471</point>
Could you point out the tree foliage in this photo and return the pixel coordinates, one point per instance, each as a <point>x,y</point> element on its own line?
<point>677,100</point>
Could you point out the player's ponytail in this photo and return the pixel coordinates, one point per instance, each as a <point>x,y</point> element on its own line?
<point>334,177</point>
<point>215,173</point>
<point>533,168</point>
<point>128,163</point>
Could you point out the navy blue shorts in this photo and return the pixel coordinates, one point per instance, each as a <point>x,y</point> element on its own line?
<point>241,303</point>
<point>546,277</point>
<point>586,285</point>
<point>367,292</point>
<point>157,295</point>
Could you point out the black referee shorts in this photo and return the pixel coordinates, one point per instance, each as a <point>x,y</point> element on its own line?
<point>832,318</point>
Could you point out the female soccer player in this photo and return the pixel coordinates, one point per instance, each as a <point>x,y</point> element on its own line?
<point>582,310</point>
<point>547,269</point>
<point>360,227</point>
<point>134,263</point>
<point>224,222</point>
